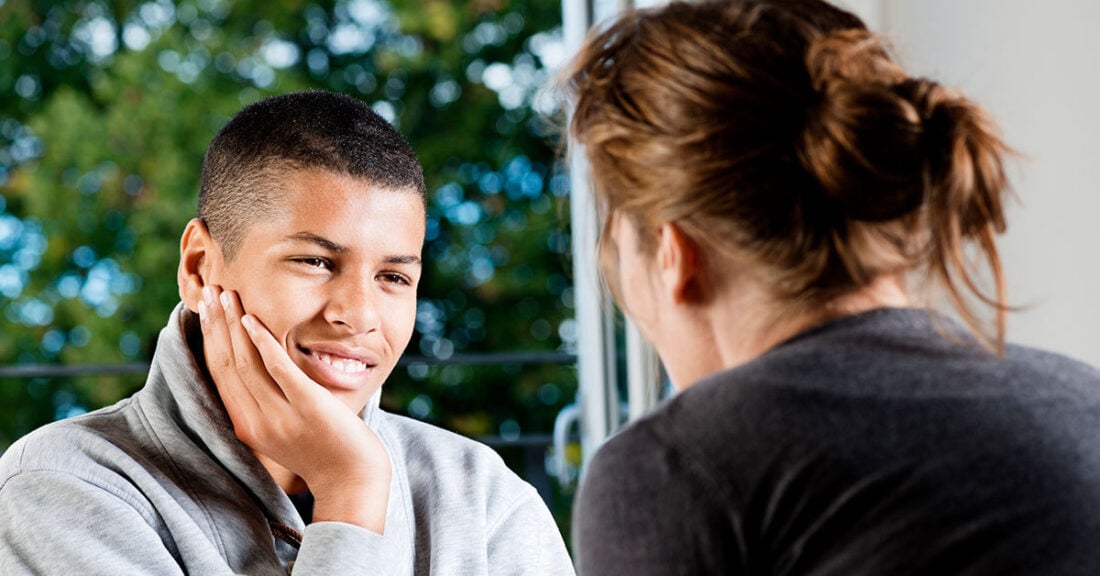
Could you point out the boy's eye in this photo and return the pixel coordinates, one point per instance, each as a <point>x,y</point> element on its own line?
<point>314,262</point>
<point>393,278</point>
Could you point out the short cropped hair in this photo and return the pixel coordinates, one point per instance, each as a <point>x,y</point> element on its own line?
<point>299,131</point>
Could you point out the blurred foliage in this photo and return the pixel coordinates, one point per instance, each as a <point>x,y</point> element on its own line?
<point>106,108</point>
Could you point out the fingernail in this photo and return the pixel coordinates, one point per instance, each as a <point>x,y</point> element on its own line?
<point>208,294</point>
<point>225,301</point>
<point>202,310</point>
<point>248,323</point>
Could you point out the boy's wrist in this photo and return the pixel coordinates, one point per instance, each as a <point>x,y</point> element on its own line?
<point>360,501</point>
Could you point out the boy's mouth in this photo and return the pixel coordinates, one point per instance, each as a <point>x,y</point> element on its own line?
<point>346,365</point>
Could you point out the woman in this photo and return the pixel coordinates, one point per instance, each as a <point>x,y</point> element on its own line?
<point>778,199</point>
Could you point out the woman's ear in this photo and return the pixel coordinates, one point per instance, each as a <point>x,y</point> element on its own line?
<point>200,261</point>
<point>678,262</point>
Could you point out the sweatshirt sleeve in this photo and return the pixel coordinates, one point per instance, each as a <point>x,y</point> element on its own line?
<point>57,523</point>
<point>525,540</point>
<point>341,548</point>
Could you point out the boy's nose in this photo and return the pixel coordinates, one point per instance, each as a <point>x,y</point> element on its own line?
<point>355,306</point>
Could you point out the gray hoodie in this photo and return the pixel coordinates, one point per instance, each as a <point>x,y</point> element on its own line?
<point>159,484</point>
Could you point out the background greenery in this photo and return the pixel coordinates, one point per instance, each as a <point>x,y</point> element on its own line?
<point>106,108</point>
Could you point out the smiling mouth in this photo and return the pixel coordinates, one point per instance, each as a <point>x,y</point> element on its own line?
<point>339,363</point>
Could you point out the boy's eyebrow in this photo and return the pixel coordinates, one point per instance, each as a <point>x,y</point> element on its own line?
<point>404,260</point>
<point>311,238</point>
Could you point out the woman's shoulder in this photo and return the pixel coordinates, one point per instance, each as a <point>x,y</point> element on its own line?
<point>1039,373</point>
<point>675,445</point>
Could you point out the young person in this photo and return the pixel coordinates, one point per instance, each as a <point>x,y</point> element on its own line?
<point>257,445</point>
<point>770,182</point>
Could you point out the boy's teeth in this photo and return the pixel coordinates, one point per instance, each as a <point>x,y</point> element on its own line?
<point>341,364</point>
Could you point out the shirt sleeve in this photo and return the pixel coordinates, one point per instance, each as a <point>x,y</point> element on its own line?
<point>526,541</point>
<point>643,510</point>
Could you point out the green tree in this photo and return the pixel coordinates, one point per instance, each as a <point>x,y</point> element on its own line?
<point>106,109</point>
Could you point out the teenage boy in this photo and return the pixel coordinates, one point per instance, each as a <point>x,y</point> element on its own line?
<point>257,445</point>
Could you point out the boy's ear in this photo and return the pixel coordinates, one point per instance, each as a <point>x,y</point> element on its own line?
<point>200,259</point>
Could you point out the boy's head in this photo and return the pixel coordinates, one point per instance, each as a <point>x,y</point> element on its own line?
<point>246,161</point>
<point>312,209</point>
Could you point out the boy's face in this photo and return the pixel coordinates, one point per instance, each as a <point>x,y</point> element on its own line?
<point>333,276</point>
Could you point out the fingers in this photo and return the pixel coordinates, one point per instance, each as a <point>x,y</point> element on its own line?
<point>221,358</point>
<point>228,363</point>
<point>277,387</point>
<point>287,376</point>
<point>250,366</point>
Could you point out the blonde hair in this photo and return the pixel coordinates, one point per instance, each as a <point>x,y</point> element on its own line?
<point>784,130</point>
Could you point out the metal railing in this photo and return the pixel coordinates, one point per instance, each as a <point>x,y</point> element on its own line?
<point>542,456</point>
<point>133,368</point>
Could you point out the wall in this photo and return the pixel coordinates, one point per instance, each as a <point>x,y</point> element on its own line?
<point>1036,67</point>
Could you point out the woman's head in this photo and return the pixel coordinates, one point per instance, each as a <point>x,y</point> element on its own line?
<point>780,131</point>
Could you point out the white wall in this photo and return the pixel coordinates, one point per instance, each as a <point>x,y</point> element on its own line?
<point>1036,66</point>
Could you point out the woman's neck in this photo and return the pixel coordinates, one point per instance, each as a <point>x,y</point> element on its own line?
<point>736,328</point>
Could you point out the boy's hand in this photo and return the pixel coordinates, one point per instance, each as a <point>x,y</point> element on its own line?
<point>280,413</point>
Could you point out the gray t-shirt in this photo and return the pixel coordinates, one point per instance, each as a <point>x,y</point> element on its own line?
<point>871,445</point>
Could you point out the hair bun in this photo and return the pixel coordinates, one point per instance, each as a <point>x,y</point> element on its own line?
<point>939,110</point>
<point>862,140</point>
